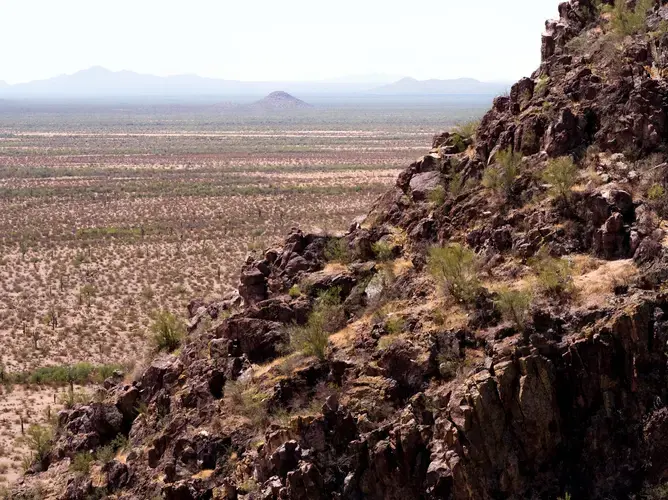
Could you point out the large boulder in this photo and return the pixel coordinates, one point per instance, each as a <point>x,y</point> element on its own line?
<point>423,184</point>
<point>85,428</point>
<point>253,286</point>
<point>258,339</point>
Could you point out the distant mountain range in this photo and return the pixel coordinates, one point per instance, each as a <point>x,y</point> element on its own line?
<point>101,82</point>
<point>411,86</point>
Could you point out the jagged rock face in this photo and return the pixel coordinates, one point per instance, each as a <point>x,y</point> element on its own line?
<point>571,410</point>
<point>573,402</point>
<point>280,268</point>
<point>579,98</point>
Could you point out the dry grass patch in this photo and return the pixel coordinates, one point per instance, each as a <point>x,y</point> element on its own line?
<point>597,286</point>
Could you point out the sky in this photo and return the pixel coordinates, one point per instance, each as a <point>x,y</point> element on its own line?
<point>274,40</point>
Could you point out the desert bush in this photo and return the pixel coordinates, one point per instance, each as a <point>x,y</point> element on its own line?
<point>542,85</point>
<point>625,20</point>
<point>246,399</point>
<point>168,331</point>
<point>514,305</point>
<point>656,192</point>
<point>87,293</point>
<point>501,176</point>
<point>456,185</point>
<point>455,267</point>
<point>326,318</point>
<point>257,244</point>
<point>388,341</point>
<point>79,373</point>
<point>72,397</point>
<point>382,250</point>
<point>337,250</point>
<point>147,293</point>
<point>294,291</point>
<point>120,442</point>
<point>107,453</point>
<point>554,275</point>
<point>657,199</point>
<point>329,297</point>
<point>561,174</point>
<point>467,129</point>
<point>654,492</point>
<point>249,486</point>
<point>81,463</point>
<point>394,325</point>
<point>50,319</point>
<point>38,440</point>
<point>386,315</point>
<point>437,196</point>
<point>312,338</point>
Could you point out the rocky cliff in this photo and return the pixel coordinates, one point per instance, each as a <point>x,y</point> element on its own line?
<point>420,393</point>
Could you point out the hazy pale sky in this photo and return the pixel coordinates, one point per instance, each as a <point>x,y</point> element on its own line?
<point>274,39</point>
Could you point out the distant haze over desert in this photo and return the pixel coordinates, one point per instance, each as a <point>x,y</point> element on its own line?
<point>100,82</point>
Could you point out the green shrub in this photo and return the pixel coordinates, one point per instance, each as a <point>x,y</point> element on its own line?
<point>326,318</point>
<point>141,408</point>
<point>38,440</point>
<point>456,185</point>
<point>561,174</point>
<point>107,453</point>
<point>457,142</point>
<point>168,331</point>
<point>437,196</point>
<point>337,250</point>
<point>81,463</point>
<point>249,486</point>
<point>329,297</point>
<point>294,291</point>
<point>312,338</point>
<point>467,129</point>
<point>555,276</point>
<point>625,21</point>
<point>501,176</point>
<point>514,305</point>
<point>79,373</point>
<point>656,192</point>
<point>383,250</point>
<point>72,397</point>
<point>395,325</point>
<point>455,267</point>
<point>541,85</point>
<point>120,442</point>
<point>657,200</point>
<point>247,400</point>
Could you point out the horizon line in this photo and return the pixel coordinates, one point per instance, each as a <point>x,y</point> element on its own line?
<point>389,79</point>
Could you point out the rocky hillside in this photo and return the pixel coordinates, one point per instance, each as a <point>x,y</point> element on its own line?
<point>277,102</point>
<point>496,327</point>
